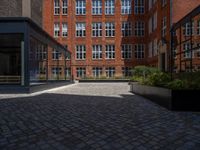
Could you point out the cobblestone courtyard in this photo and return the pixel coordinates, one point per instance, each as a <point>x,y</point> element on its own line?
<point>87,116</point>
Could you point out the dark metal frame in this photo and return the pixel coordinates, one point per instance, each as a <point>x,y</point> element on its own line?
<point>25,26</point>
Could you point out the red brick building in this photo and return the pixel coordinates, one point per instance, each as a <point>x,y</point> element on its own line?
<point>108,38</point>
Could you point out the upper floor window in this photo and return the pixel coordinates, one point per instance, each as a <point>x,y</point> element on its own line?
<point>97,52</point>
<point>139,51</point>
<point>80,52</point>
<point>56,29</point>
<point>110,29</point>
<point>56,54</point>
<point>198,27</point>
<point>139,28</point>
<point>110,51</point>
<point>139,6</point>
<point>109,7</point>
<point>126,6</point>
<point>96,7</point>
<point>164,26</point>
<point>126,29</point>
<point>64,7</point>
<point>127,51</point>
<point>187,48</point>
<point>188,28</point>
<point>80,30</point>
<point>56,7</point>
<point>80,7</point>
<point>64,29</point>
<point>96,29</point>
<point>164,2</point>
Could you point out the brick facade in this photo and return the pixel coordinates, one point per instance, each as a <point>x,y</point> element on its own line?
<point>22,8</point>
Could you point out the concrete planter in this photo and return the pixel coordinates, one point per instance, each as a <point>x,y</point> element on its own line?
<point>178,100</point>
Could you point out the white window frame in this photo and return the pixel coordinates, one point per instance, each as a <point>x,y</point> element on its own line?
<point>126,71</point>
<point>187,47</point>
<point>127,51</point>
<point>189,29</point>
<point>139,51</point>
<point>96,29</point>
<point>110,29</point>
<point>164,26</point>
<point>56,55</point>
<point>80,7</point>
<point>56,29</point>
<point>96,7</point>
<point>109,7</point>
<point>97,52</point>
<point>64,7</point>
<point>110,72</point>
<point>64,30</point>
<point>80,72</point>
<point>56,7</point>
<point>126,29</point>
<point>80,29</point>
<point>198,27</point>
<point>139,28</point>
<point>67,72</point>
<point>80,52</point>
<point>97,72</point>
<point>126,7</point>
<point>139,6</point>
<point>56,71</point>
<point>110,51</point>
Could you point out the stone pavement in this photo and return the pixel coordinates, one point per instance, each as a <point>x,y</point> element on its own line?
<point>102,116</point>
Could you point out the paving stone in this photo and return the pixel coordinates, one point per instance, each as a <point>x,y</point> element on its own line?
<point>100,116</point>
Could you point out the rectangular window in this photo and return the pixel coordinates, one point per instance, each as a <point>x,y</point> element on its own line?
<point>164,2</point>
<point>56,71</point>
<point>56,29</point>
<point>64,7</point>
<point>139,6</point>
<point>96,7</point>
<point>150,25</point>
<point>110,72</point>
<point>139,51</point>
<point>150,4</point>
<point>96,29</point>
<point>164,26</point>
<point>41,52</point>
<point>126,29</point>
<point>150,49</point>
<point>56,54</point>
<point>198,50</point>
<point>97,72</point>
<point>64,29</point>
<point>198,27</point>
<point>80,72</point>
<point>80,7</point>
<point>155,21</point>
<point>80,52</point>
<point>126,6</point>
<point>155,47</point>
<point>80,30</point>
<point>127,71</point>
<point>68,72</point>
<point>109,7</point>
<point>110,29</point>
<point>110,51</point>
<point>56,7</point>
<point>139,28</point>
<point>97,52</point>
<point>187,48</point>
<point>126,51</point>
<point>188,28</point>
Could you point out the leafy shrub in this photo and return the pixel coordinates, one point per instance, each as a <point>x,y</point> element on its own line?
<point>144,71</point>
<point>176,84</point>
<point>158,79</point>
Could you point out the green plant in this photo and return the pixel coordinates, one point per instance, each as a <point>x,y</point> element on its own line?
<point>176,84</point>
<point>144,71</point>
<point>158,79</point>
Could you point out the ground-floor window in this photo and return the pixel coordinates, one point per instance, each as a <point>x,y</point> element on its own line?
<point>127,71</point>
<point>67,72</point>
<point>97,72</point>
<point>110,72</point>
<point>80,72</point>
<point>56,71</point>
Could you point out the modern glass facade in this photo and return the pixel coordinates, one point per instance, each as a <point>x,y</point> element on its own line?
<point>29,56</point>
